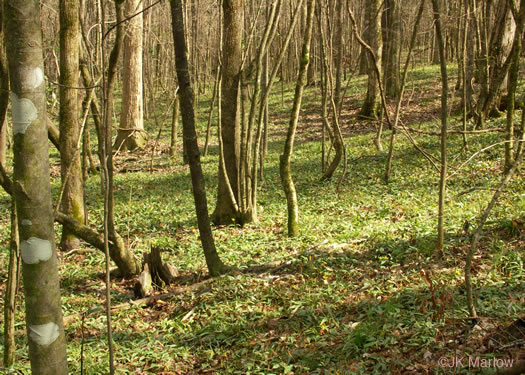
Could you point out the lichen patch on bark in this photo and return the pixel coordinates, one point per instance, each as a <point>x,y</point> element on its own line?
<point>32,78</point>
<point>24,113</point>
<point>44,334</point>
<point>35,250</point>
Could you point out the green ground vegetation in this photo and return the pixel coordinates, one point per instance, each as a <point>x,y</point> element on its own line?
<point>353,297</point>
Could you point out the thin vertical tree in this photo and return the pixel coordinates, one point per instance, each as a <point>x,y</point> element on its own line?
<point>72,200</point>
<point>285,159</point>
<point>32,189</point>
<point>444,128</point>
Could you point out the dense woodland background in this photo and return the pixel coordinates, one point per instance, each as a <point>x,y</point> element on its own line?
<point>271,187</point>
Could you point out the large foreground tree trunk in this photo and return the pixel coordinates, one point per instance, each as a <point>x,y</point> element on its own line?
<point>215,265</point>
<point>70,167</point>
<point>32,189</point>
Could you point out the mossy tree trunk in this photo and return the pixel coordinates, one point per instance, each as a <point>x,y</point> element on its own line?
<point>32,189</point>
<point>285,159</point>
<point>72,203</point>
<point>215,265</point>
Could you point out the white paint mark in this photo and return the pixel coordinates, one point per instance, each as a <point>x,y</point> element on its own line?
<point>44,334</point>
<point>32,78</point>
<point>27,222</point>
<point>24,113</point>
<point>35,250</point>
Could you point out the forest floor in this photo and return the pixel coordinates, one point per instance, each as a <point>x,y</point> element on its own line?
<point>359,291</point>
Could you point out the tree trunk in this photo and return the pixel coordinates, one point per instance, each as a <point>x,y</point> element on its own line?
<point>4,93</point>
<point>370,108</point>
<point>32,189</point>
<point>391,46</point>
<point>444,126</point>
<point>512,88</point>
<point>130,266</point>
<point>174,124</point>
<point>13,274</point>
<point>72,203</point>
<point>131,134</point>
<point>215,265</point>
<point>225,211</point>
<point>339,56</point>
<point>285,159</point>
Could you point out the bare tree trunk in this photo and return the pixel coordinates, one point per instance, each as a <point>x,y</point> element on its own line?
<point>210,113</point>
<point>13,273</point>
<point>4,93</point>
<point>512,87</point>
<point>335,132</point>
<point>131,134</point>
<point>175,124</point>
<point>285,159</point>
<point>128,265</point>
<point>339,57</point>
<point>32,189</point>
<point>72,203</point>
<point>370,108</point>
<point>215,265</point>
<point>225,210</point>
<point>444,127</point>
<point>391,46</point>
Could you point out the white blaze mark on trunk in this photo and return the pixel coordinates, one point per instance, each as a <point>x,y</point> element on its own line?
<point>27,222</point>
<point>44,334</point>
<point>35,250</point>
<point>24,113</point>
<point>32,78</point>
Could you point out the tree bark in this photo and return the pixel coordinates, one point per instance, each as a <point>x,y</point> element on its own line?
<point>4,93</point>
<point>444,126</point>
<point>370,108</point>
<point>391,46</point>
<point>285,159</point>
<point>131,266</point>
<point>131,134</point>
<point>215,265</point>
<point>72,203</point>
<point>225,211</point>
<point>32,189</point>
<point>13,274</point>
